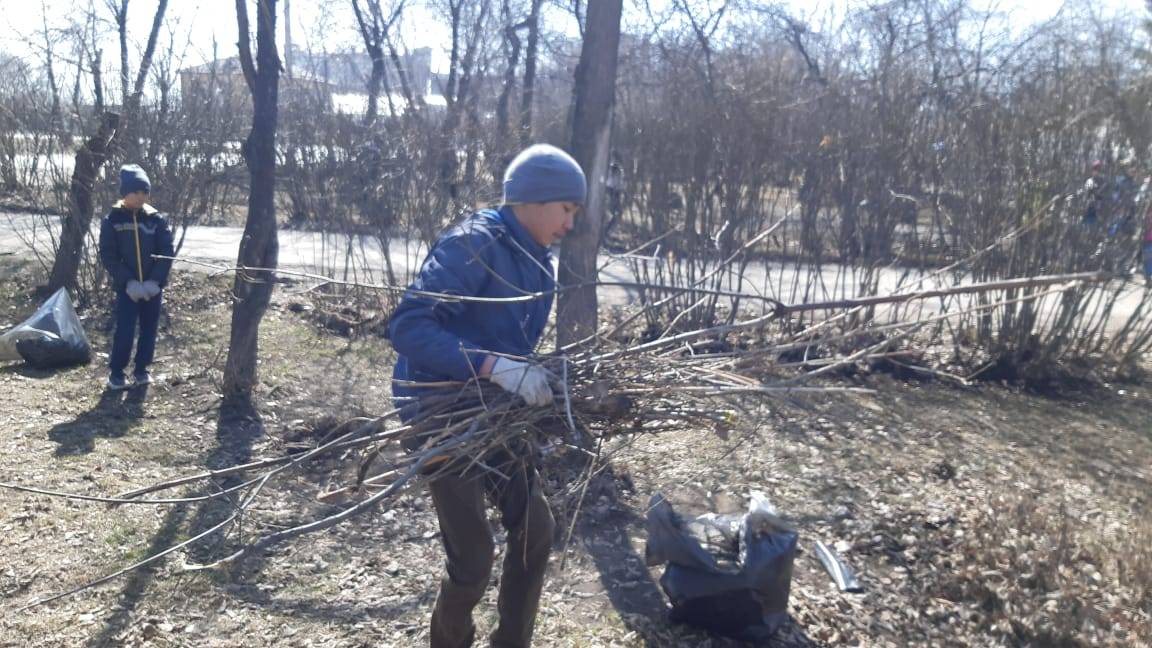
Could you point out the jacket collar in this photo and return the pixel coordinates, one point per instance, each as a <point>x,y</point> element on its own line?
<point>147,209</point>
<point>508,217</point>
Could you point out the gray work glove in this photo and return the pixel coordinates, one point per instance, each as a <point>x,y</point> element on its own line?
<point>136,290</point>
<point>525,379</point>
<point>151,288</point>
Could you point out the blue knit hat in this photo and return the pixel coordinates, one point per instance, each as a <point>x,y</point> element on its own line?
<point>133,179</point>
<point>543,173</point>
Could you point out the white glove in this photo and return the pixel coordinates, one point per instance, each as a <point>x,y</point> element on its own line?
<point>136,290</point>
<point>151,289</point>
<point>527,380</point>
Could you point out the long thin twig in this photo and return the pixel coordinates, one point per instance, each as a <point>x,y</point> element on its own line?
<point>150,559</point>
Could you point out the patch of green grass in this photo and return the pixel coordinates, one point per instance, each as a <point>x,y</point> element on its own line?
<point>121,536</point>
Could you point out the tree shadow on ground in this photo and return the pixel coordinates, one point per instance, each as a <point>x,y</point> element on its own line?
<point>602,531</point>
<point>112,417</point>
<point>236,432</point>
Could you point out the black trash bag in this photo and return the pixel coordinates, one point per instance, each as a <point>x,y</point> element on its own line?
<point>53,337</point>
<point>52,353</point>
<point>728,574</point>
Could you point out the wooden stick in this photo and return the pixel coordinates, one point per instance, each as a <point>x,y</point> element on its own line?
<point>1006,284</point>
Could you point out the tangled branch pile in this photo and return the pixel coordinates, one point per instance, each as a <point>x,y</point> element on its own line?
<point>476,425</point>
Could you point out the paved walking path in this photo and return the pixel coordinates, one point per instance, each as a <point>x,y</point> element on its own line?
<point>362,259</point>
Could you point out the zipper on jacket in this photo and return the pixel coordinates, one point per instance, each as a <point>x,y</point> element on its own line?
<point>136,233</point>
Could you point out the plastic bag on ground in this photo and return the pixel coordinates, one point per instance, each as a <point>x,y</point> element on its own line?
<point>728,574</point>
<point>52,337</point>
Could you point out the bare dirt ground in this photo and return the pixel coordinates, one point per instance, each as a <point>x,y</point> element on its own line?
<point>981,516</point>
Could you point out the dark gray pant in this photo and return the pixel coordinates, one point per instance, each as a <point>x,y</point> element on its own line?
<point>129,312</point>
<point>469,547</point>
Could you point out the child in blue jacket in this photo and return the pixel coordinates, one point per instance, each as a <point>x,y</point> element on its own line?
<point>501,253</point>
<point>129,235</point>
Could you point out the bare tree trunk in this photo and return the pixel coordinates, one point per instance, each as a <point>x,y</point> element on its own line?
<point>371,35</point>
<point>89,159</point>
<point>128,138</point>
<point>133,102</point>
<point>512,48</point>
<point>375,82</point>
<point>92,155</point>
<point>288,37</point>
<point>97,83</point>
<point>593,98</point>
<point>529,86</point>
<point>811,196</point>
<point>374,31</point>
<point>120,14</point>
<point>457,104</point>
<point>49,68</point>
<point>414,96</point>
<point>252,289</point>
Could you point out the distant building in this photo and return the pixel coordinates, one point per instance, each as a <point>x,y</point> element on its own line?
<point>223,81</point>
<point>220,80</point>
<point>324,81</point>
<point>349,72</point>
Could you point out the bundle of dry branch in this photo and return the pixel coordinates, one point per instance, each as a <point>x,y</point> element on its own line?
<point>476,426</point>
<point>601,392</point>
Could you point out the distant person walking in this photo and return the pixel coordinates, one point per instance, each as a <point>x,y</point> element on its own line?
<point>130,234</point>
<point>1095,193</point>
<point>1124,193</point>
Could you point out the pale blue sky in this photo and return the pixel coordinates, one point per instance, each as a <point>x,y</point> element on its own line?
<point>329,23</point>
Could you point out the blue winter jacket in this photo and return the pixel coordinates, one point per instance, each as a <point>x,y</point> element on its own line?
<point>128,239</point>
<point>488,255</point>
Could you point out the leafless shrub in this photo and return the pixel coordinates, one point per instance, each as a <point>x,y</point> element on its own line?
<point>880,146</point>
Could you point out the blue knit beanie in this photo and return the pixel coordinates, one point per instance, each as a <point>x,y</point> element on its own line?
<point>543,173</point>
<point>133,179</point>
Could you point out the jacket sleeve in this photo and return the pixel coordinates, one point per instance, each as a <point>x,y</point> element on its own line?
<point>457,265</point>
<point>110,256</point>
<point>161,267</point>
